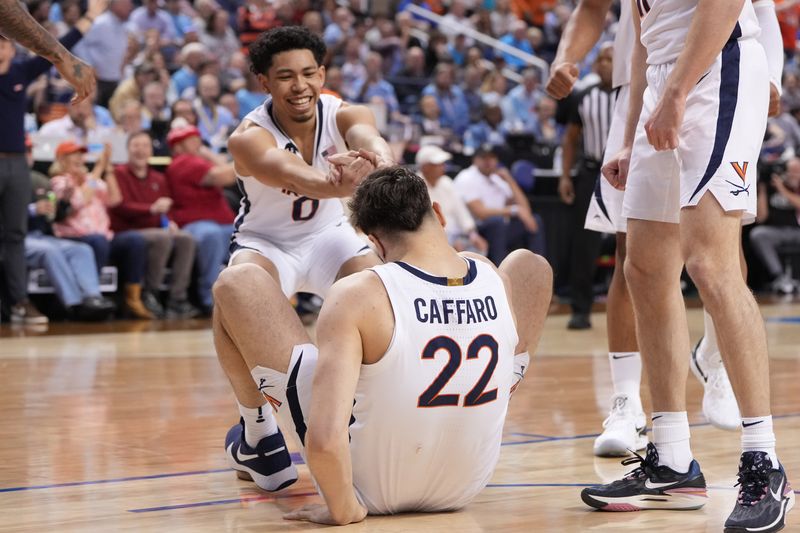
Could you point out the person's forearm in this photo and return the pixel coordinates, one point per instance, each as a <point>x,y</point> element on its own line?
<point>711,27</point>
<point>333,471</point>
<point>366,137</point>
<point>568,150</point>
<point>287,171</point>
<point>17,24</point>
<point>583,30</point>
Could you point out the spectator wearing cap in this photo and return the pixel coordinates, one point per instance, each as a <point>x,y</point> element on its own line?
<point>192,56</point>
<point>144,207</point>
<point>15,181</point>
<point>498,204</point>
<point>460,227</point>
<point>69,264</point>
<point>452,103</point>
<point>132,88</point>
<point>105,47</point>
<point>196,177</point>
<point>89,195</point>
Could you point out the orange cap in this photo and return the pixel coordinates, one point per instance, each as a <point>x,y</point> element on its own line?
<point>70,147</point>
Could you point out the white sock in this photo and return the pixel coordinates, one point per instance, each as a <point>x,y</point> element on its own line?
<point>521,363</point>
<point>758,436</point>
<point>259,422</point>
<point>671,439</point>
<point>708,345</point>
<point>626,375</point>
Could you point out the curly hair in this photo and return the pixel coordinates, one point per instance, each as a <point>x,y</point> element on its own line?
<point>390,200</point>
<point>283,39</point>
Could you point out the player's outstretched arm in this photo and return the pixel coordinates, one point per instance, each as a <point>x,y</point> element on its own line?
<point>256,154</point>
<point>584,27</point>
<point>335,379</point>
<point>17,24</point>
<point>357,125</point>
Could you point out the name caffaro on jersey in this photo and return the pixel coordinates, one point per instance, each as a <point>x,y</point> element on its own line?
<point>465,311</point>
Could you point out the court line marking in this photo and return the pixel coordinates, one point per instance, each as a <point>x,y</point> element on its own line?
<point>297,459</point>
<point>245,499</point>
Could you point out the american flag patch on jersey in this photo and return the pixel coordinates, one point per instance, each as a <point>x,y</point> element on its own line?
<point>329,151</point>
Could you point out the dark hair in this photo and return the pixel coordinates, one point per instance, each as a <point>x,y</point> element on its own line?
<point>390,200</point>
<point>283,39</point>
<point>135,134</point>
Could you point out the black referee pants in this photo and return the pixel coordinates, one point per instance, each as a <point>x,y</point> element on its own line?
<point>585,243</point>
<point>15,195</point>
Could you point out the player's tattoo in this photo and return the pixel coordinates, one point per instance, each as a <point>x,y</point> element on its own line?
<point>77,70</point>
<point>17,24</point>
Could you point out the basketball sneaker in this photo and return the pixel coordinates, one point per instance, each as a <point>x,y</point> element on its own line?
<point>650,486</point>
<point>624,431</point>
<point>269,464</point>
<point>765,496</point>
<point>719,403</point>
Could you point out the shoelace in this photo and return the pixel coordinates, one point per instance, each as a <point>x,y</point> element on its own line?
<point>647,464</point>
<point>754,480</point>
<point>616,410</point>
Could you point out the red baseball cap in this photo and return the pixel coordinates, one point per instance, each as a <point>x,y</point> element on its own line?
<point>181,133</point>
<point>70,147</point>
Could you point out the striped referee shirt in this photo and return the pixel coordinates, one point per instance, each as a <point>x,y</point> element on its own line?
<point>592,110</point>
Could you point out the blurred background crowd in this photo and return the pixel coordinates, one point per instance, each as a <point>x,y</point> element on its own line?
<point>456,87</point>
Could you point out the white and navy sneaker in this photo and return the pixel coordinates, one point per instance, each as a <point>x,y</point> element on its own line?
<point>650,486</point>
<point>624,431</point>
<point>719,402</point>
<point>765,496</point>
<point>269,464</point>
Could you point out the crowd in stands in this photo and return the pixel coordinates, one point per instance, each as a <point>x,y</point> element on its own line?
<point>174,80</point>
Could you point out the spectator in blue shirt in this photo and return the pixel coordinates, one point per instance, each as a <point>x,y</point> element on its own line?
<point>519,105</point>
<point>452,103</point>
<point>192,56</point>
<point>518,38</point>
<point>487,132</point>
<point>375,87</point>
<point>250,96</point>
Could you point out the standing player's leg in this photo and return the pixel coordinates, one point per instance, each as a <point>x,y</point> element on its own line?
<point>531,280</point>
<point>255,333</point>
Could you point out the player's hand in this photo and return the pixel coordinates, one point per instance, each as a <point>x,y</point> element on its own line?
<point>566,190</point>
<point>616,170</point>
<point>320,514</point>
<point>665,122</point>
<point>774,101</point>
<point>79,75</point>
<point>562,79</point>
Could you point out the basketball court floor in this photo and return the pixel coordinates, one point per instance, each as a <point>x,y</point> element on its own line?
<point>120,427</point>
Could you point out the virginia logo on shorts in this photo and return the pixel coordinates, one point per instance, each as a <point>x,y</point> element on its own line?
<point>741,171</point>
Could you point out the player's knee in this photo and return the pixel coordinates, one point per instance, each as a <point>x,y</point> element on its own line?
<point>534,265</point>
<point>233,280</point>
<point>637,273</point>
<point>709,277</point>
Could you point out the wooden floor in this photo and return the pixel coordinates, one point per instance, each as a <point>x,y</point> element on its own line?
<point>122,430</point>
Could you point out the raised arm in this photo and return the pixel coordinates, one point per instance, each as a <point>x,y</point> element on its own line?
<point>584,27</point>
<point>357,124</point>
<point>17,24</point>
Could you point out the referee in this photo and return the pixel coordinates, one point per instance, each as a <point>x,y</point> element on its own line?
<point>588,117</point>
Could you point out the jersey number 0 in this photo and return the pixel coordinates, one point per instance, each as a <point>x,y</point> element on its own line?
<point>476,396</point>
<point>301,211</point>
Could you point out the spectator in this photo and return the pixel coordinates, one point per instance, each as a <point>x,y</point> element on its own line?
<point>154,100</point>
<point>545,129</point>
<point>105,47</point>
<point>70,265</point>
<point>532,11</point>
<point>520,103</point>
<point>70,14</point>
<point>777,215</point>
<point>494,89</point>
<point>495,200</point>
<point>450,98</point>
<point>255,17</point>
<point>375,88</point>
<point>144,206</point>
<point>229,102</point>
<point>80,124</point>
<point>182,23</point>
<point>503,18</point>
<point>214,121</point>
<point>333,82</point>
<point>219,36</point>
<point>192,56</point>
<point>149,17</point>
<point>473,79</point>
<point>487,132</point>
<point>517,38</point>
<point>132,88</point>
<point>411,80</point>
<point>131,118</point>
<point>459,224</point>
<point>455,19</point>
<point>353,70</point>
<point>337,33</point>
<point>15,181</point>
<point>196,177</point>
<point>184,110</point>
<point>252,94</point>
<point>89,195</point>
<point>313,21</point>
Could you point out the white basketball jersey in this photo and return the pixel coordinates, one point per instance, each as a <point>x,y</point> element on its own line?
<point>428,417</point>
<point>623,46</point>
<point>665,26</point>
<point>282,216</point>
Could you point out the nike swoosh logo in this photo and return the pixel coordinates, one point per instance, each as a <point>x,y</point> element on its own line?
<point>247,457</point>
<point>746,425</point>
<point>650,485</point>
<point>623,356</point>
<point>779,495</point>
<point>656,417</point>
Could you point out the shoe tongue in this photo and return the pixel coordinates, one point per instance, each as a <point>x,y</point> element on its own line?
<point>755,462</point>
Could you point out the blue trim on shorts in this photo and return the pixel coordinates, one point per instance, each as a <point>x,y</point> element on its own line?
<point>244,208</point>
<point>728,97</point>
<point>472,273</point>
<point>294,402</point>
<point>598,196</point>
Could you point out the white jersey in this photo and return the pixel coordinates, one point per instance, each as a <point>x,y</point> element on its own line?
<point>428,417</point>
<point>281,216</point>
<point>623,46</point>
<point>665,26</point>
